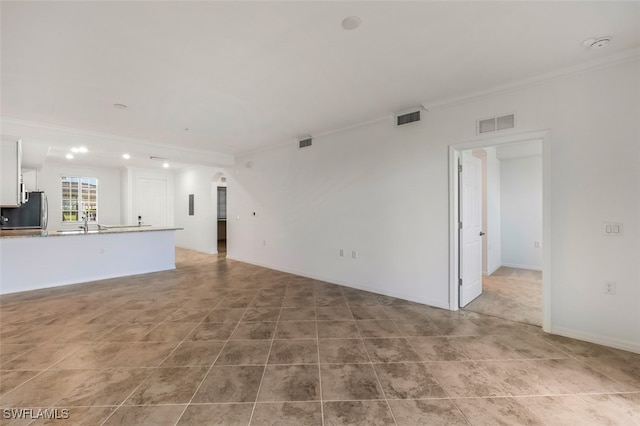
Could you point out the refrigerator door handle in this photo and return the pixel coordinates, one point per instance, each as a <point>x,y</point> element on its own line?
<point>45,211</point>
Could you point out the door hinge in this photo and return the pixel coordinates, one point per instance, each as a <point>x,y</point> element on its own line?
<point>459,225</point>
<point>460,282</point>
<point>459,168</point>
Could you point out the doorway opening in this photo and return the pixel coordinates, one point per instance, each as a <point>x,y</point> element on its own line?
<point>498,223</point>
<point>220,194</point>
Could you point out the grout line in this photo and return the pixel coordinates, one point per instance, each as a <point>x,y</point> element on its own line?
<point>266,363</point>
<point>212,364</point>
<point>379,382</point>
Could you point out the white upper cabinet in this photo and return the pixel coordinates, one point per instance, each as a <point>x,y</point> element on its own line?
<point>11,194</point>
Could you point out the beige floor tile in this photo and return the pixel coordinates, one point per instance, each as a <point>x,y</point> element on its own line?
<point>191,354</point>
<point>485,348</point>
<point>342,351</point>
<point>408,381</point>
<point>172,385</point>
<point>426,412</point>
<point>337,329</point>
<point>207,331</point>
<point>10,379</point>
<point>378,328</point>
<point>524,378</point>
<point>437,349</point>
<point>254,331</point>
<point>296,330</point>
<point>287,414</point>
<point>103,387</point>
<point>565,410</point>
<point>244,352</point>
<point>465,379</point>
<point>230,384</point>
<point>390,350</point>
<point>43,356</point>
<point>217,415</point>
<point>358,413</point>
<point>290,383</point>
<point>349,382</point>
<point>294,351</point>
<point>495,411</point>
<point>159,415</point>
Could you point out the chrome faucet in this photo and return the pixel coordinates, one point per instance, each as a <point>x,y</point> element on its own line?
<point>85,227</point>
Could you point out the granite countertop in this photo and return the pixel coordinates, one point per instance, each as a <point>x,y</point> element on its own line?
<point>26,233</point>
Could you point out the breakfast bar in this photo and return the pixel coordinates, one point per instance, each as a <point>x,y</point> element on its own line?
<point>35,259</point>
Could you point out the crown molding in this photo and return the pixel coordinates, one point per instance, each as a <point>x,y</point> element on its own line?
<point>629,55</point>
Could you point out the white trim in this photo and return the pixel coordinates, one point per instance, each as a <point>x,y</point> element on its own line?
<point>615,59</point>
<point>518,266</point>
<point>626,345</point>
<point>454,154</point>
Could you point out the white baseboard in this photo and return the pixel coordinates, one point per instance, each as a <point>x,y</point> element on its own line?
<point>385,292</point>
<point>519,266</point>
<point>626,345</point>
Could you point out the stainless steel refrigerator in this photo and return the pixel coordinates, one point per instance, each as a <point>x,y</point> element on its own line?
<point>30,215</point>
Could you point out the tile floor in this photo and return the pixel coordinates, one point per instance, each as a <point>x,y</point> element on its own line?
<point>511,293</point>
<point>221,342</point>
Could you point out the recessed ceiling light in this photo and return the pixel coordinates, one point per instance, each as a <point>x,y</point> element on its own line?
<point>83,149</point>
<point>351,22</point>
<point>165,165</point>
<point>119,106</point>
<point>69,156</point>
<point>126,156</point>
<point>597,42</point>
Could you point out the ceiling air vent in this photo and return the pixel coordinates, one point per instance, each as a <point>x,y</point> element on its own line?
<point>494,124</point>
<point>408,118</point>
<point>305,143</point>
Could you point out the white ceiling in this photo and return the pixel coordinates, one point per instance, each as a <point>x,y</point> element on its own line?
<point>242,76</point>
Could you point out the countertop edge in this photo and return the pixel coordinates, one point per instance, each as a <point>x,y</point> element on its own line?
<point>39,233</point>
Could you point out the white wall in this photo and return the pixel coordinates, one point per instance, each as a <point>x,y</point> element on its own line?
<point>494,232</point>
<point>521,212</point>
<point>49,181</point>
<point>200,230</point>
<point>384,192</point>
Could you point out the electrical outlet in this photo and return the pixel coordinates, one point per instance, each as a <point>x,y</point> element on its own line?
<point>536,244</point>
<point>609,287</point>
<point>612,229</point>
<point>341,252</point>
<point>354,254</point>
<point>264,242</point>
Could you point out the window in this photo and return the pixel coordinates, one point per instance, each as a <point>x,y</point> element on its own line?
<point>222,202</point>
<point>79,195</point>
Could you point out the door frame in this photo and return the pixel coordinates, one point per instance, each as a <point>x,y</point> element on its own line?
<point>454,155</point>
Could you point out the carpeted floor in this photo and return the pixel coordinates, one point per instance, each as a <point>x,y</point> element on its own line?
<point>513,294</point>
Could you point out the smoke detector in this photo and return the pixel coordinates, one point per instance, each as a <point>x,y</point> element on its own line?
<point>351,22</point>
<point>597,43</point>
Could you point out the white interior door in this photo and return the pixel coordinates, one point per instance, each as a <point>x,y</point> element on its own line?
<point>152,201</point>
<point>471,230</point>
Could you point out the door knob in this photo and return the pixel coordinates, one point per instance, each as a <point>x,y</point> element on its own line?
<point>481,233</point>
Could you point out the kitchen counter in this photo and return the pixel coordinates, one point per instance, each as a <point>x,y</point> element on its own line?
<point>32,259</point>
<point>22,233</point>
